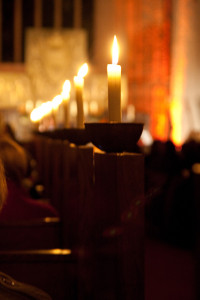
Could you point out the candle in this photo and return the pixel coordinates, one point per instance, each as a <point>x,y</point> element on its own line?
<point>57,100</point>
<point>66,96</point>
<point>79,85</point>
<point>114,85</point>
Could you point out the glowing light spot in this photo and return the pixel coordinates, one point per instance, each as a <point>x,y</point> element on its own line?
<point>83,70</point>
<point>115,51</point>
<point>176,116</point>
<point>66,90</point>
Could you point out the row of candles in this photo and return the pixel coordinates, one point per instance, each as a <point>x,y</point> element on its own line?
<point>114,94</point>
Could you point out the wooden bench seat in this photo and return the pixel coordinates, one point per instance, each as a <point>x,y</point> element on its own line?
<point>53,271</point>
<point>34,234</point>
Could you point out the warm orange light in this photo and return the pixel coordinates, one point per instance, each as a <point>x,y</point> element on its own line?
<point>160,126</point>
<point>79,85</point>
<point>176,116</point>
<point>66,97</point>
<point>83,70</point>
<point>114,85</point>
<point>36,115</point>
<point>66,90</point>
<point>94,107</point>
<point>56,102</point>
<point>41,111</point>
<point>115,51</point>
<point>160,121</point>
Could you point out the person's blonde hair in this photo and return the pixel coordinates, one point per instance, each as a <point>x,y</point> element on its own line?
<point>14,159</point>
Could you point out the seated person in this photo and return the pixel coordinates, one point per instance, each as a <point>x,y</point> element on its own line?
<point>9,287</point>
<point>19,206</point>
<point>3,186</point>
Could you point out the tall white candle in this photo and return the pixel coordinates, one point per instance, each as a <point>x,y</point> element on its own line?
<point>79,85</point>
<point>114,86</point>
<point>57,100</point>
<point>66,98</point>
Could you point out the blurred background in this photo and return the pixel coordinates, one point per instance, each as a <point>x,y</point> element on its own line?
<point>43,43</point>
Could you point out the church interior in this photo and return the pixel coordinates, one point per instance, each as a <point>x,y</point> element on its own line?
<point>100,103</point>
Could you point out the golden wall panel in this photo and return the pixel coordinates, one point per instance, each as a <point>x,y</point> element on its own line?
<point>15,89</point>
<point>52,56</point>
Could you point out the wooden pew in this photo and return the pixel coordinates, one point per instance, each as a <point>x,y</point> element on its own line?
<point>33,234</point>
<point>49,153</point>
<point>67,174</point>
<point>54,171</point>
<point>102,211</point>
<point>77,211</point>
<point>39,154</point>
<point>46,156</point>
<point>118,222</point>
<point>53,271</point>
<point>77,195</point>
<point>196,222</point>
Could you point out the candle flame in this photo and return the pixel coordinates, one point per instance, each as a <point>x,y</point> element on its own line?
<point>56,101</point>
<point>83,70</point>
<point>35,115</point>
<point>46,107</point>
<point>41,111</point>
<point>115,51</point>
<point>66,89</point>
<point>67,86</point>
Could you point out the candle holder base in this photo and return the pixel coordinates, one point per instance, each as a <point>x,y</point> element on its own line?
<point>114,136</point>
<point>77,136</point>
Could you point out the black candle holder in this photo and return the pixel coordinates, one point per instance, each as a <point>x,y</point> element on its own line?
<point>77,136</point>
<point>114,136</point>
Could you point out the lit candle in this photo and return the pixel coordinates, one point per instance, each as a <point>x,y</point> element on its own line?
<point>79,84</point>
<point>114,85</point>
<point>66,96</point>
<point>40,113</point>
<point>57,100</point>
